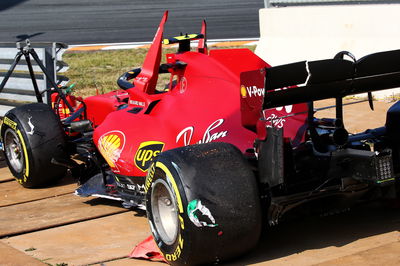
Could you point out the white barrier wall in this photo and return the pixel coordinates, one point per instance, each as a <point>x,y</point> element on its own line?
<point>293,34</point>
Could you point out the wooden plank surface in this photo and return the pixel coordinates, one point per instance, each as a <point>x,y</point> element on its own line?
<point>11,256</point>
<point>52,212</point>
<point>5,174</point>
<point>13,193</point>
<point>98,240</point>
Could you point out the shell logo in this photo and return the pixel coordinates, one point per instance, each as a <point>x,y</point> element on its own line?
<point>243,91</point>
<point>111,145</point>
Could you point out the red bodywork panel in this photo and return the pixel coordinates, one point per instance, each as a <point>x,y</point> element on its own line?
<point>146,81</point>
<point>99,106</point>
<point>205,103</point>
<point>204,106</point>
<point>291,118</point>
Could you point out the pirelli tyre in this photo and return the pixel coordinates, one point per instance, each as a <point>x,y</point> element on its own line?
<point>32,135</point>
<point>203,204</point>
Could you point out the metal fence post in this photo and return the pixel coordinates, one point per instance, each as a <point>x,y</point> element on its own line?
<point>18,89</point>
<point>49,64</point>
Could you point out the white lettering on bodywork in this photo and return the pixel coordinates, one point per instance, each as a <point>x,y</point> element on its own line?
<point>209,135</point>
<point>254,91</point>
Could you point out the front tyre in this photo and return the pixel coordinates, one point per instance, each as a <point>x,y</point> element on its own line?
<point>203,204</point>
<point>32,136</point>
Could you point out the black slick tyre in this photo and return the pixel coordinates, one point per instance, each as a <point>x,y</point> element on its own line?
<point>203,204</point>
<point>32,135</point>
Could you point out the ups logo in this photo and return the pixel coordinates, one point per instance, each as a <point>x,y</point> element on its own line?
<point>146,153</point>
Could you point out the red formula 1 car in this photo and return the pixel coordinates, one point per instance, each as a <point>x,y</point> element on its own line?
<point>109,141</point>
<point>228,144</point>
<point>207,202</point>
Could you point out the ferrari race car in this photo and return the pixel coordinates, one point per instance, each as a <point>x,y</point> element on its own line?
<point>227,145</point>
<point>209,202</point>
<point>109,141</point>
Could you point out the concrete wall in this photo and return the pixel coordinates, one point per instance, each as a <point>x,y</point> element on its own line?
<point>293,34</point>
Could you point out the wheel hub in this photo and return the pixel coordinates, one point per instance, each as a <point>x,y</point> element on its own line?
<point>164,210</point>
<point>13,149</point>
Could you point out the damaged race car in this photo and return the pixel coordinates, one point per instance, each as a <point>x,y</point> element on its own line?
<point>228,145</point>
<point>208,202</point>
<point>108,141</point>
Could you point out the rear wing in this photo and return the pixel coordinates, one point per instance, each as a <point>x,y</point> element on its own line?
<point>331,78</point>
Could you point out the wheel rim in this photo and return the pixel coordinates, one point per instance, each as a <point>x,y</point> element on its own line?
<point>164,211</point>
<point>14,150</point>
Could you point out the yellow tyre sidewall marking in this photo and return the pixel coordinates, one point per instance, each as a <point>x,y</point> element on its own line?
<point>178,251</point>
<point>25,154</point>
<point>173,183</point>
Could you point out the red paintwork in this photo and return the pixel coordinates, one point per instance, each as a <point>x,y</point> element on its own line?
<point>283,117</point>
<point>99,106</point>
<point>252,95</point>
<point>62,109</point>
<point>203,106</point>
<point>202,47</point>
<point>147,79</point>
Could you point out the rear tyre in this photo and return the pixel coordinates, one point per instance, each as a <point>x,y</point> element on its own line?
<point>32,135</point>
<point>203,204</point>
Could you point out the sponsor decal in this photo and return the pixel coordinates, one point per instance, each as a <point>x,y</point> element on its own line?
<point>251,91</point>
<point>183,85</point>
<point>195,209</point>
<point>288,108</point>
<point>13,125</point>
<point>175,254</point>
<point>278,121</point>
<point>209,135</point>
<point>135,187</point>
<point>26,174</point>
<point>137,103</point>
<point>7,121</point>
<point>178,251</point>
<point>146,152</point>
<point>243,91</point>
<point>142,78</point>
<point>111,145</point>
<point>149,178</point>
